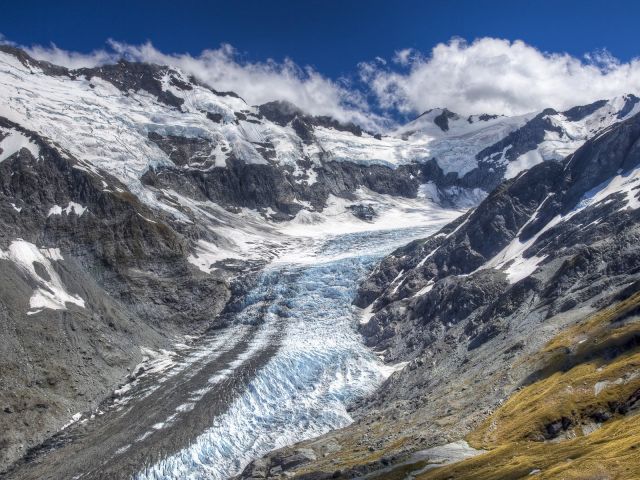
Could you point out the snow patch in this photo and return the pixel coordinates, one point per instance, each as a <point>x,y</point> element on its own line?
<point>72,207</point>
<point>50,292</point>
<point>207,254</point>
<point>366,314</point>
<point>74,419</point>
<point>16,141</point>
<point>424,290</point>
<point>523,162</point>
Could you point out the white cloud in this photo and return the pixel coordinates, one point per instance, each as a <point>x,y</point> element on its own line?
<point>68,59</point>
<point>486,76</point>
<point>404,57</point>
<point>498,76</point>
<point>256,82</point>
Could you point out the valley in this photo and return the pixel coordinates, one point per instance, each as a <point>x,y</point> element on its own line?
<point>197,287</point>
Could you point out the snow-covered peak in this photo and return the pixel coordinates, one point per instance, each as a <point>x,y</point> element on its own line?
<point>552,135</point>
<point>441,122</point>
<point>454,140</point>
<point>127,118</point>
<point>583,121</point>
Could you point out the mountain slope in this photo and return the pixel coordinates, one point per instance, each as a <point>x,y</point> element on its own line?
<point>536,289</point>
<point>481,150</point>
<point>111,247</point>
<point>151,125</point>
<point>90,275</point>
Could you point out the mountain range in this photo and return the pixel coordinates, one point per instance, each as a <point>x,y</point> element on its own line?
<point>138,205</point>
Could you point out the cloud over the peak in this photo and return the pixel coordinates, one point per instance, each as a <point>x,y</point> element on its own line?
<point>68,59</point>
<point>223,69</point>
<point>488,75</point>
<point>497,76</point>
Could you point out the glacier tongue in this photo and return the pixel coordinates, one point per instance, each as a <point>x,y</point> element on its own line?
<point>320,367</point>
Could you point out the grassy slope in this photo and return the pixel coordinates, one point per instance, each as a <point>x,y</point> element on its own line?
<point>602,350</point>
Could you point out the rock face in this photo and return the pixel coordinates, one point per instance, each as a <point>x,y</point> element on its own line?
<point>549,240</point>
<point>472,308</point>
<point>363,212</point>
<point>89,275</point>
<point>284,113</point>
<point>264,186</point>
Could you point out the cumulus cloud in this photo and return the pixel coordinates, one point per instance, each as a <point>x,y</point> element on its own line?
<point>68,59</point>
<point>405,56</point>
<point>497,76</point>
<point>256,82</point>
<point>488,75</point>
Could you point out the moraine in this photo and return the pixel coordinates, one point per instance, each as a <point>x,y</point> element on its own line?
<point>286,369</point>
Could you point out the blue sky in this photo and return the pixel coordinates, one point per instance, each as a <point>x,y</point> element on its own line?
<point>336,37</point>
<point>333,36</point>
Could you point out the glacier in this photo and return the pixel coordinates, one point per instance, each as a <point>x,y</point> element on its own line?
<point>320,367</point>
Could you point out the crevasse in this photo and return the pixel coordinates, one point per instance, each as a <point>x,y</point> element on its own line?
<point>320,367</point>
